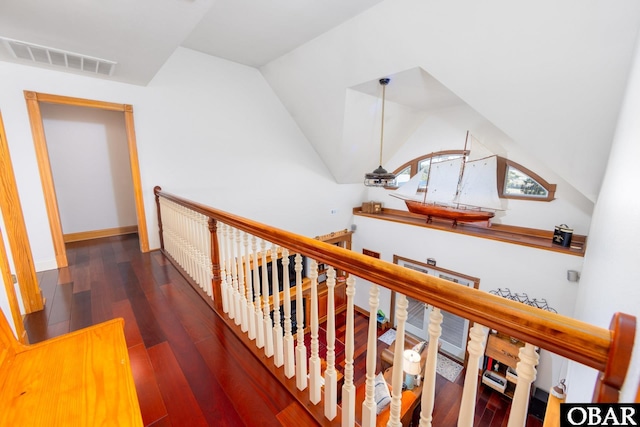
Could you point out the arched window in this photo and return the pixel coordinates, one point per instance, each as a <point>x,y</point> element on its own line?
<point>514,180</point>
<point>517,182</point>
<point>409,169</point>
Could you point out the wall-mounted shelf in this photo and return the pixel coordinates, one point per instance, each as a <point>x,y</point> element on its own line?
<point>501,358</point>
<point>540,239</point>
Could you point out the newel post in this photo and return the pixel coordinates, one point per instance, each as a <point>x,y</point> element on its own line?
<point>156,190</point>
<point>609,383</point>
<point>216,279</point>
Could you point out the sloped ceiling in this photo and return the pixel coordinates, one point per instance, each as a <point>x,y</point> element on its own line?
<point>410,97</point>
<point>551,77</point>
<point>140,35</point>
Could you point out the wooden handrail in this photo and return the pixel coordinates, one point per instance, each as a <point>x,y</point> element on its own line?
<point>576,340</point>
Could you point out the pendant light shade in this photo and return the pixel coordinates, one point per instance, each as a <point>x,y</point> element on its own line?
<point>380,177</point>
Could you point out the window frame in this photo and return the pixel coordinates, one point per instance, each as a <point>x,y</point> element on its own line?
<point>414,163</point>
<point>501,175</point>
<point>503,165</point>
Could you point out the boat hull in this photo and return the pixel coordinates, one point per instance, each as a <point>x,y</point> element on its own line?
<point>446,212</point>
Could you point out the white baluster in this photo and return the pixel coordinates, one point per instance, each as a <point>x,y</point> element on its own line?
<point>475,347</point>
<point>222,259</point>
<point>189,264</point>
<point>301,349</point>
<point>429,385</point>
<point>268,326</point>
<point>228,233</point>
<point>348,389</point>
<point>237,310</point>
<point>526,370</point>
<point>207,256</point>
<point>244,326</point>
<point>330,374</point>
<point>398,362</point>
<point>258,317</point>
<point>289,358</point>
<point>369,404</point>
<point>278,351</point>
<point>315,383</point>
<point>251,309</point>
<point>201,265</point>
<point>206,265</point>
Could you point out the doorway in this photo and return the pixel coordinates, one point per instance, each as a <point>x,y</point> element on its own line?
<point>455,329</point>
<point>34,100</point>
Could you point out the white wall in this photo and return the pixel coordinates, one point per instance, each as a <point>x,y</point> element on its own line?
<point>206,128</point>
<point>610,279</point>
<point>539,273</point>
<point>447,131</point>
<point>222,137</point>
<point>550,76</point>
<point>89,159</point>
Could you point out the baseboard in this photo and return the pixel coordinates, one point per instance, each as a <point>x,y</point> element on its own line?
<point>96,234</point>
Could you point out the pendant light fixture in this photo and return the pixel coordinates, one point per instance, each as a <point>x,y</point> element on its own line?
<point>380,177</point>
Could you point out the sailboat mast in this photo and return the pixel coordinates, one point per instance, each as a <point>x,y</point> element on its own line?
<point>426,188</point>
<point>464,162</point>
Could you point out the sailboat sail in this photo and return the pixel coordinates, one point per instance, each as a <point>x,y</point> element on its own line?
<point>409,189</point>
<point>479,184</point>
<point>457,190</point>
<point>443,181</point>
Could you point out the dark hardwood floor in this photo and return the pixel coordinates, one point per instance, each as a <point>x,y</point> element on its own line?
<point>189,368</point>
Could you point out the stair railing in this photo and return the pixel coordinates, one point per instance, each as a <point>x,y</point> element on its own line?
<point>225,258</point>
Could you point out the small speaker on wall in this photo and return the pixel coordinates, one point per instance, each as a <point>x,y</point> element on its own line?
<point>573,276</point>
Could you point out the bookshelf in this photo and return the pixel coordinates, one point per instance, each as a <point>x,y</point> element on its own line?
<point>501,358</point>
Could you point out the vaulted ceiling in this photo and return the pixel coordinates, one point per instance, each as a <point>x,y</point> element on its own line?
<point>549,78</point>
<point>140,35</point>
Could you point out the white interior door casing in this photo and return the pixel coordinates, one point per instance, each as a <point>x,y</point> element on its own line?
<point>455,329</point>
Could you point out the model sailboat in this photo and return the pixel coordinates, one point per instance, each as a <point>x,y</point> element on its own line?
<point>460,190</point>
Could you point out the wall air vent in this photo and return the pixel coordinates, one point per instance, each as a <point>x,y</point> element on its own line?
<point>46,55</point>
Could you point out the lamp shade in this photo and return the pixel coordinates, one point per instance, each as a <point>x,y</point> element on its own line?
<point>411,363</point>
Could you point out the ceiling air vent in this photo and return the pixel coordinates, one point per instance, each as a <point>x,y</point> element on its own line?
<point>46,55</point>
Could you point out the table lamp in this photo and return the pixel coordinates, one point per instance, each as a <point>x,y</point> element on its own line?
<point>411,367</point>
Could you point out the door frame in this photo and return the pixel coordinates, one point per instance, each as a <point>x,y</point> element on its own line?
<point>18,242</point>
<point>34,99</point>
<point>474,282</point>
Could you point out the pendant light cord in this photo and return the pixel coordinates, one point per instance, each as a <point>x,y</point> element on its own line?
<point>384,86</point>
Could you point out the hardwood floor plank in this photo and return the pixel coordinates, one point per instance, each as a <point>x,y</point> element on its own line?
<point>111,272</point>
<point>211,397</point>
<point>38,330</point>
<point>255,395</point>
<point>61,305</point>
<point>48,282</point>
<point>195,318</point>
<point>295,415</point>
<point>182,406</point>
<point>150,330</point>
<point>80,269</point>
<point>81,316</point>
<point>152,405</point>
<point>131,331</point>
<point>446,414</point>
<point>194,355</point>
<point>162,422</point>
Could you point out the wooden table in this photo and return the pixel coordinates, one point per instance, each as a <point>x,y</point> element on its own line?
<point>410,401</point>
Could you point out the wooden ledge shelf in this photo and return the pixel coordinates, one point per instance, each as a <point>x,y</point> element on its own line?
<point>534,238</point>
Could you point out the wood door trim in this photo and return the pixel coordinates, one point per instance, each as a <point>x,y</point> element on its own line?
<point>33,100</point>
<point>17,237</point>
